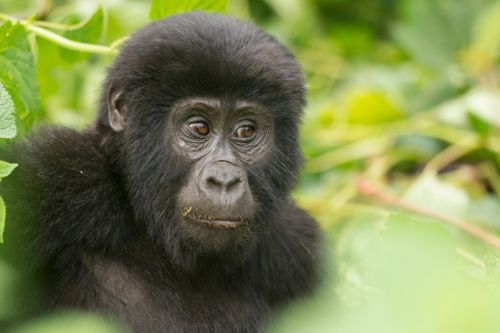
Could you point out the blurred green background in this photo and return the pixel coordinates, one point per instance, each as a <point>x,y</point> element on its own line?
<point>404,95</point>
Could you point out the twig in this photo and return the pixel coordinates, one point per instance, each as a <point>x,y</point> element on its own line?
<point>368,190</point>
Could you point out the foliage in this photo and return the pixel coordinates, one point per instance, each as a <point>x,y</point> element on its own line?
<point>404,94</point>
<point>7,131</point>
<point>17,72</point>
<point>68,322</point>
<point>89,31</point>
<point>161,9</point>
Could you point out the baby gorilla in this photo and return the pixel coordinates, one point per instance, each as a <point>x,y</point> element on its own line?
<point>171,212</point>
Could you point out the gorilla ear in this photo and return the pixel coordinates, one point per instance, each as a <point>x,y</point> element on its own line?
<point>117,112</point>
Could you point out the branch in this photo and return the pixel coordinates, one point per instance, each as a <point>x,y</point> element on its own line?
<point>368,190</point>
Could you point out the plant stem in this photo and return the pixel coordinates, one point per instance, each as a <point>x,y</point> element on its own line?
<point>60,40</point>
<point>68,43</point>
<point>58,26</point>
<point>368,190</point>
<point>450,154</point>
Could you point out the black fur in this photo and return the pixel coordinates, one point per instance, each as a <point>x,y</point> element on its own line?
<point>98,219</point>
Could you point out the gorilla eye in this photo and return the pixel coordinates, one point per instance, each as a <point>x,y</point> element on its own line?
<point>245,132</point>
<point>199,128</point>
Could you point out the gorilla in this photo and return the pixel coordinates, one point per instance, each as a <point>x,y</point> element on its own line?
<point>171,211</point>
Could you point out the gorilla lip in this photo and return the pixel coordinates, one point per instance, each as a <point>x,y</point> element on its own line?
<point>217,222</point>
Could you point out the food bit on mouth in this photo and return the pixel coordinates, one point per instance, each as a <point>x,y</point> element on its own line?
<point>187,210</point>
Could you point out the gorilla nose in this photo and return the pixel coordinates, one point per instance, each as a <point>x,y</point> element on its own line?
<point>223,178</point>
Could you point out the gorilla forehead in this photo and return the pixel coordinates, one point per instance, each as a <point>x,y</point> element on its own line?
<point>211,55</point>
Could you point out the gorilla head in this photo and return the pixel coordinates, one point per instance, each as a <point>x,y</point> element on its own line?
<point>201,120</point>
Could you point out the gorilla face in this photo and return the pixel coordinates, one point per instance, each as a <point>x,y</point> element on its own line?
<point>204,124</point>
<point>220,140</point>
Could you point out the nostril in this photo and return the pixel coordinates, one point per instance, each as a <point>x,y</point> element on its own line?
<point>233,182</point>
<point>214,181</point>
<point>218,184</point>
<point>222,179</point>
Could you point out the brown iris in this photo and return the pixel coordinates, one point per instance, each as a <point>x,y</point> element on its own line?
<point>245,132</point>
<point>200,128</point>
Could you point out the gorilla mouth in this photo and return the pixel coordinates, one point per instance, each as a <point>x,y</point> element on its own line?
<point>217,222</point>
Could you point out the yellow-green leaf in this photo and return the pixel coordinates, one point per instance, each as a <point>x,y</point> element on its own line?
<point>6,168</point>
<point>161,8</point>
<point>371,107</point>
<point>2,218</point>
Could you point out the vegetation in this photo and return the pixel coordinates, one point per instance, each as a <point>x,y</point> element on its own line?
<point>401,136</point>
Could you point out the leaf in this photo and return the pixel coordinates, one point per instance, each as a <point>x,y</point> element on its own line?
<point>7,114</point>
<point>2,218</point>
<point>479,125</point>
<point>485,46</point>
<point>90,32</point>
<point>371,107</point>
<point>9,280</point>
<point>17,73</point>
<point>68,322</point>
<point>482,103</point>
<point>6,168</point>
<point>432,31</point>
<point>163,8</point>
<point>409,269</point>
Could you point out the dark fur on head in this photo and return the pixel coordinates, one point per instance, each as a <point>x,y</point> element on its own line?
<point>97,209</point>
<point>196,55</point>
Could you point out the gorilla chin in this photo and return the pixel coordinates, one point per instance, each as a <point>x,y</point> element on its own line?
<point>217,230</point>
<point>214,235</point>
<point>217,205</point>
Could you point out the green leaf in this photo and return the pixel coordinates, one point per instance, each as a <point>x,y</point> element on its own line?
<point>6,168</point>
<point>478,124</point>
<point>9,281</point>
<point>2,218</point>
<point>90,32</point>
<point>486,34</point>
<point>433,31</point>
<point>163,8</point>
<point>68,322</point>
<point>7,114</point>
<point>407,267</point>
<point>17,73</point>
